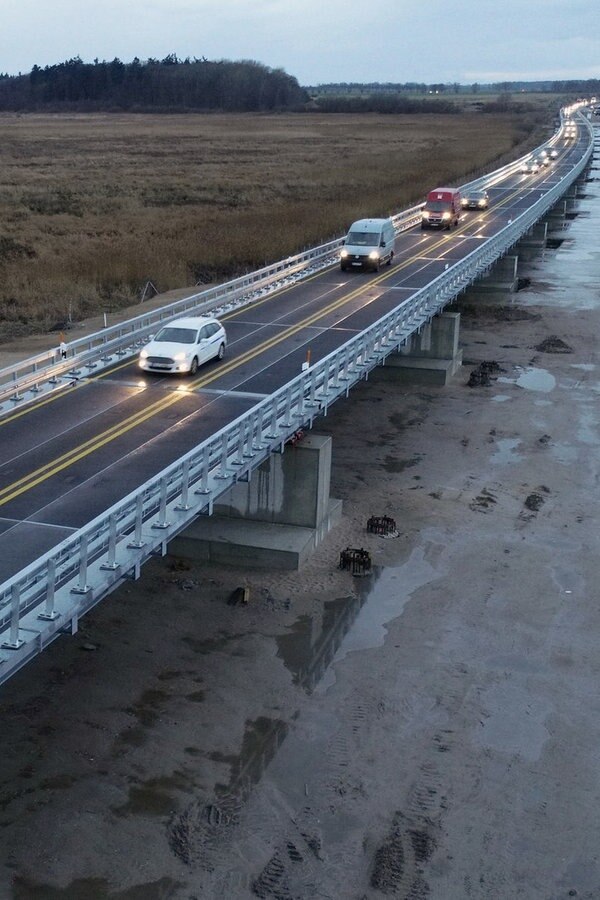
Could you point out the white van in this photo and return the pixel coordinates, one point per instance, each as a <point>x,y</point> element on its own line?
<point>368,244</point>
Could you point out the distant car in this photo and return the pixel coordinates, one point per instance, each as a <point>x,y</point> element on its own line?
<point>553,154</point>
<point>475,200</point>
<point>184,345</point>
<point>544,161</point>
<point>530,167</point>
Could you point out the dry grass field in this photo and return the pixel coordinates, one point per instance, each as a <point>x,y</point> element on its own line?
<point>94,206</point>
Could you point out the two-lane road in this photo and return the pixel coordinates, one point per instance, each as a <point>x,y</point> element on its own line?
<point>70,456</point>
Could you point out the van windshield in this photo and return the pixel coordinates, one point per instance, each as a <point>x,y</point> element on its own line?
<point>437,205</point>
<point>177,335</point>
<point>363,238</point>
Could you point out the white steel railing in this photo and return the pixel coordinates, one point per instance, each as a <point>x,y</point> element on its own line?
<point>48,371</point>
<point>48,596</point>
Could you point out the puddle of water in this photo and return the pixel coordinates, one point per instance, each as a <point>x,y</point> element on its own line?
<point>308,648</point>
<point>532,379</point>
<point>384,603</point>
<point>537,380</point>
<point>500,398</point>
<point>504,453</point>
<point>262,738</point>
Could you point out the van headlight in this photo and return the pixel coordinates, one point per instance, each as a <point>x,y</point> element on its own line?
<point>343,254</point>
<point>425,214</point>
<point>374,254</point>
<point>446,215</point>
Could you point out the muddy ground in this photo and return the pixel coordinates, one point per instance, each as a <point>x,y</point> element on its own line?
<point>428,731</point>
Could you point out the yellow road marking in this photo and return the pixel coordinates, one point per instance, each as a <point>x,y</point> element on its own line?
<point>72,456</point>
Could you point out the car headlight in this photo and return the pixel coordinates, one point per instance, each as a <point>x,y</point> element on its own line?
<point>374,254</point>
<point>343,254</point>
<point>181,357</point>
<point>143,354</point>
<point>464,202</point>
<point>446,215</point>
<point>482,203</point>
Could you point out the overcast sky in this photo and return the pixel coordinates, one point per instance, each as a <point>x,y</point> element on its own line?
<point>318,41</point>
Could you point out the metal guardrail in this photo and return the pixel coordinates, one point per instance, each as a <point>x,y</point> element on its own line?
<point>49,371</point>
<point>48,596</point>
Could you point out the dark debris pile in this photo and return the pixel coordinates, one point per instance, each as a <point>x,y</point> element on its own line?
<point>484,374</point>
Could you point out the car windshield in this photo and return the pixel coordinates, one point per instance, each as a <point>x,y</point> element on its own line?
<point>174,335</point>
<point>363,238</point>
<point>476,195</point>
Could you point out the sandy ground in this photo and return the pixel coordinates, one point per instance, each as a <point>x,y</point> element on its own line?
<point>428,731</point>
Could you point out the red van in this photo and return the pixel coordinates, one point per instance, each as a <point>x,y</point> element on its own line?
<point>442,208</point>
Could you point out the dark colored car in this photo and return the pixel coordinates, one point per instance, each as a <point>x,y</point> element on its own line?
<point>475,200</point>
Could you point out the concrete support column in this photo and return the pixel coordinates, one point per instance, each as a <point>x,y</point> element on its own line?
<point>276,519</point>
<point>535,237</point>
<point>501,277</point>
<point>289,488</point>
<point>557,213</point>
<point>430,357</point>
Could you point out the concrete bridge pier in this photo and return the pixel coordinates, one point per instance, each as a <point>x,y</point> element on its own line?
<point>430,357</point>
<point>502,278</point>
<point>556,217</point>
<point>276,519</point>
<point>534,239</point>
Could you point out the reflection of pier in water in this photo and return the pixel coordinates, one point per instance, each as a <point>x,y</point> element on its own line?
<point>309,648</point>
<point>306,650</point>
<point>201,834</point>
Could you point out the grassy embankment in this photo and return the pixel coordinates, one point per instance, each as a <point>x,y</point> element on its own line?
<point>94,206</point>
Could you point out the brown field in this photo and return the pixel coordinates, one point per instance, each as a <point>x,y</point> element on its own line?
<point>94,206</point>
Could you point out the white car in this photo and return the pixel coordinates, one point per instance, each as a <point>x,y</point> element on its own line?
<point>183,345</point>
<point>553,154</point>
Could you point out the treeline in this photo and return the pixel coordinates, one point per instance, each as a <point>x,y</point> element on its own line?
<point>579,88</point>
<point>382,103</point>
<point>168,84</point>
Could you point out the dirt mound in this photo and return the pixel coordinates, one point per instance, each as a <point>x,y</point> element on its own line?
<point>553,344</point>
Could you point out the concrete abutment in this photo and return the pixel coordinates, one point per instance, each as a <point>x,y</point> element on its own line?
<point>276,519</point>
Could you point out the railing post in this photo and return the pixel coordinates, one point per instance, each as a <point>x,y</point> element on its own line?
<point>223,472</point>
<point>111,562</point>
<point>50,613</point>
<point>162,510</point>
<point>14,642</point>
<point>204,489</point>
<point>82,587</point>
<point>137,543</point>
<point>257,432</point>
<point>183,504</point>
